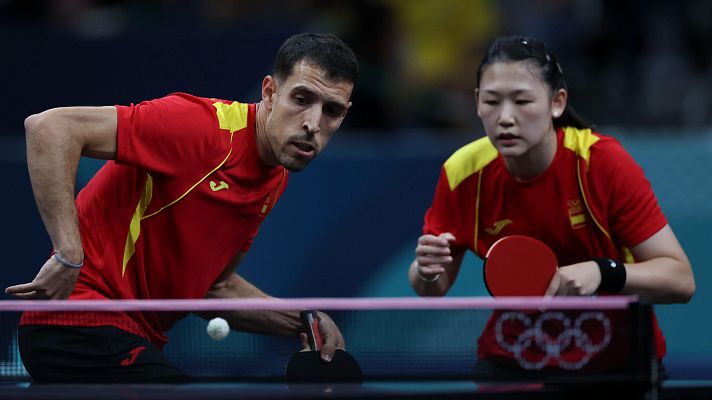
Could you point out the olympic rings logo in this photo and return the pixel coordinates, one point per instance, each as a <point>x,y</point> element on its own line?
<point>535,336</point>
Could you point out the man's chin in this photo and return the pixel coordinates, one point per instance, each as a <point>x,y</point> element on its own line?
<point>295,165</point>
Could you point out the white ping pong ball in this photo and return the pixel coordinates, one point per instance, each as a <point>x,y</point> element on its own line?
<point>218,329</point>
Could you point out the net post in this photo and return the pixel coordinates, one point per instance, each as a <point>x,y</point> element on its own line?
<point>643,349</point>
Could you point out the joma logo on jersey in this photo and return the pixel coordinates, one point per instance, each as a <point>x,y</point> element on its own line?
<point>577,215</point>
<point>497,227</point>
<point>214,186</point>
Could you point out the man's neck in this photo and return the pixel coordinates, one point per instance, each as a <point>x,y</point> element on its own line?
<point>263,146</point>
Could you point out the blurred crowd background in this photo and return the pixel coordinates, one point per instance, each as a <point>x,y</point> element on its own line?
<point>631,63</point>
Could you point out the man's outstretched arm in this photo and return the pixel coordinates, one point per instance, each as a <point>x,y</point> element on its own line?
<point>56,139</point>
<point>231,285</point>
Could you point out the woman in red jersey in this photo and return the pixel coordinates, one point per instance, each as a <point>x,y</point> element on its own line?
<point>544,173</point>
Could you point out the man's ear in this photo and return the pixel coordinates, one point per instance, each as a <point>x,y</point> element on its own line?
<point>269,91</point>
<point>346,111</point>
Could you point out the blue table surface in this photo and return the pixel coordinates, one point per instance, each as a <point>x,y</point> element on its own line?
<point>676,389</point>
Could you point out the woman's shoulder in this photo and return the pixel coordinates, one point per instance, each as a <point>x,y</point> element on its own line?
<point>604,156</point>
<point>473,156</point>
<point>588,143</point>
<point>469,159</point>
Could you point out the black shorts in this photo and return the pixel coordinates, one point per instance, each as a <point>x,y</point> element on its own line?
<point>54,354</point>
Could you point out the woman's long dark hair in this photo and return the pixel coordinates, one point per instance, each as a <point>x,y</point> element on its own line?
<point>521,48</point>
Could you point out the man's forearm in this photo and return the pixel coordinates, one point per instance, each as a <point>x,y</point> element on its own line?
<point>52,160</point>
<point>256,321</point>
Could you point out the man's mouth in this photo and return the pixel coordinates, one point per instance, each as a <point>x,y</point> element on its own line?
<point>304,149</point>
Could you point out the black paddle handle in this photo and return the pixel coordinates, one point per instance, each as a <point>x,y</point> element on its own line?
<point>311,326</point>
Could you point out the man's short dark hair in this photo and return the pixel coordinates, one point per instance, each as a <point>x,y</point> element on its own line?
<point>324,50</point>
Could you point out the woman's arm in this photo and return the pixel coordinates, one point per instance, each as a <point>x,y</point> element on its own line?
<point>661,273</point>
<point>435,267</point>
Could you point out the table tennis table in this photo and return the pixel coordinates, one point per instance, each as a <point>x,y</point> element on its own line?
<point>436,389</point>
<point>415,371</point>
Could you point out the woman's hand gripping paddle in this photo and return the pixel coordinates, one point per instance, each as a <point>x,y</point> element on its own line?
<point>519,266</point>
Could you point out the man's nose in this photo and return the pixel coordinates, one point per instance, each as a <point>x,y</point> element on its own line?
<point>312,120</point>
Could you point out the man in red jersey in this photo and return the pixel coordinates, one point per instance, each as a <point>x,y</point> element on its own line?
<point>173,213</point>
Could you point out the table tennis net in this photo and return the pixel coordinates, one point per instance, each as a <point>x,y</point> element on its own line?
<point>390,338</point>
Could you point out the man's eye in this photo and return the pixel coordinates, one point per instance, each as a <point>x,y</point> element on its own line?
<point>332,112</point>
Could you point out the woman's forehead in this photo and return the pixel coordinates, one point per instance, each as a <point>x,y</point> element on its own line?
<point>511,75</point>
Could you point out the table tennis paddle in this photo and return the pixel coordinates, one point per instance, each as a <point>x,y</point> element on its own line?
<point>519,266</point>
<point>308,367</point>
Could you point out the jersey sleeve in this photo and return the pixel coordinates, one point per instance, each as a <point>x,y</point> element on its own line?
<point>447,215</point>
<point>633,209</point>
<point>168,135</point>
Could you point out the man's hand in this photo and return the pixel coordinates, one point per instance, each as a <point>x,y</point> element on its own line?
<point>54,281</point>
<point>331,336</point>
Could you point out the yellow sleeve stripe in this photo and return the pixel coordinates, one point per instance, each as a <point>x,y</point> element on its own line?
<point>628,256</point>
<point>580,142</point>
<point>477,215</point>
<point>232,117</point>
<point>468,160</point>
<point>584,196</point>
<point>135,226</point>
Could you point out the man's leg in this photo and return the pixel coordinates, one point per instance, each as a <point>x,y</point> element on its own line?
<point>92,354</point>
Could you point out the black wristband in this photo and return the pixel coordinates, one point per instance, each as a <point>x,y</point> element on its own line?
<point>613,275</point>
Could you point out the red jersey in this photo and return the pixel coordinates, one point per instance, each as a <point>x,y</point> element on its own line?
<point>592,201</point>
<point>186,193</point>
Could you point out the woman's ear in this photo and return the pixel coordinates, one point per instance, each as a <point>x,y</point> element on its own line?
<point>558,103</point>
<point>477,101</point>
